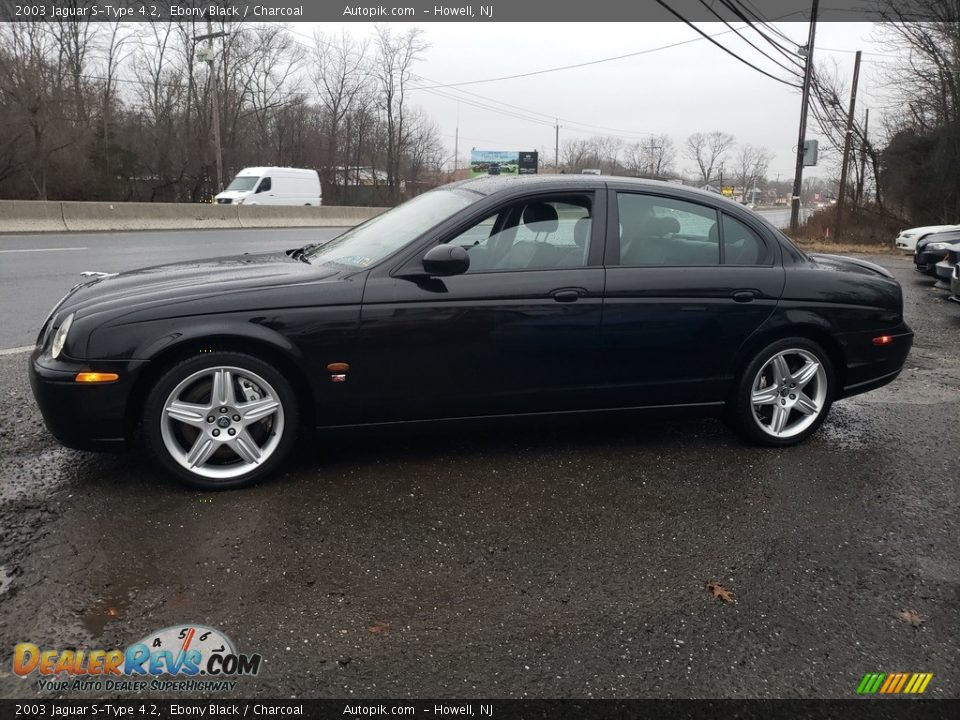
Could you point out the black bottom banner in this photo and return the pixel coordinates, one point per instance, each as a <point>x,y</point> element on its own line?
<point>477,709</point>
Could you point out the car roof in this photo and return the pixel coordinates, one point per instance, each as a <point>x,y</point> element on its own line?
<point>493,184</point>
<point>261,170</point>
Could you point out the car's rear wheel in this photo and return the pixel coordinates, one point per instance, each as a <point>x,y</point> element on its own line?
<point>784,393</point>
<point>221,420</point>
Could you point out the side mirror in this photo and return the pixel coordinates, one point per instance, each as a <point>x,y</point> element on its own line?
<point>446,260</point>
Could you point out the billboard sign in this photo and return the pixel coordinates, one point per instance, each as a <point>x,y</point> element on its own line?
<point>502,162</point>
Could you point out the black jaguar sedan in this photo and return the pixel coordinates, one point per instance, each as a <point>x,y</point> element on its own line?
<point>490,297</point>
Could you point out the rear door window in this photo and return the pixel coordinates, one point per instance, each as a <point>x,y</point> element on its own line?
<point>666,232</point>
<point>741,245</point>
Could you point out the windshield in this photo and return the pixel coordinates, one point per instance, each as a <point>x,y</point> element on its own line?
<point>244,183</point>
<point>383,235</point>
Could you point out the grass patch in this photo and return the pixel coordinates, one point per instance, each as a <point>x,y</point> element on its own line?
<point>845,248</point>
<point>866,230</point>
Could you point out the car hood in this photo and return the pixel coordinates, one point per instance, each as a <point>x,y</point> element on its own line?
<point>843,263</point>
<point>950,236</point>
<point>178,282</point>
<point>232,194</point>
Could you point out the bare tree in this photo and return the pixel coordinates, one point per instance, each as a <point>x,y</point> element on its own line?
<point>396,55</point>
<point>708,151</point>
<point>31,83</point>
<point>653,157</point>
<point>73,40</point>
<point>268,72</point>
<point>750,167</point>
<point>925,88</point>
<point>340,77</point>
<point>162,94</point>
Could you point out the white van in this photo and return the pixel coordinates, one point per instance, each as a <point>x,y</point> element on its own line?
<point>273,186</point>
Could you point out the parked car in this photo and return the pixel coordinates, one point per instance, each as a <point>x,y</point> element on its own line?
<point>273,186</point>
<point>944,269</point>
<point>931,250</point>
<point>907,239</point>
<point>489,297</point>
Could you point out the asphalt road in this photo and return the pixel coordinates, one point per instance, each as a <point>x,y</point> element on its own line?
<point>37,270</point>
<point>521,559</point>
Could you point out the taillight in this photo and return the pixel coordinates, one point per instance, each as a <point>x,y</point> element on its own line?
<point>883,340</point>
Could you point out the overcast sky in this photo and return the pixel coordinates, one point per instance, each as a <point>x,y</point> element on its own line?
<point>680,90</point>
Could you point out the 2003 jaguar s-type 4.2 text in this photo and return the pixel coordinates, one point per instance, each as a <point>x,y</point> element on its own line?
<point>489,297</point>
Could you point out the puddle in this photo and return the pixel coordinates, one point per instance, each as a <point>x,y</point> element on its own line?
<point>107,609</point>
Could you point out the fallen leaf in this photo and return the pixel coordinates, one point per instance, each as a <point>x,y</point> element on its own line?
<point>380,628</point>
<point>112,612</point>
<point>911,616</point>
<point>720,592</point>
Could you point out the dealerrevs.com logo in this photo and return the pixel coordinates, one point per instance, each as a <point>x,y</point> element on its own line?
<point>180,657</point>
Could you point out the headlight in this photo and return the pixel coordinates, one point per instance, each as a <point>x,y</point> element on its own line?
<point>937,246</point>
<point>908,235</point>
<point>60,338</point>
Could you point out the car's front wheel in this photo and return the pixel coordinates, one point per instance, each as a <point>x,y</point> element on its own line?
<point>784,393</point>
<point>221,420</point>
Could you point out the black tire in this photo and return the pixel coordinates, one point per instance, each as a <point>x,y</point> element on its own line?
<point>741,409</point>
<point>280,443</point>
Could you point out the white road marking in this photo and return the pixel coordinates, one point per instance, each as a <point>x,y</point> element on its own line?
<point>42,249</point>
<point>16,350</point>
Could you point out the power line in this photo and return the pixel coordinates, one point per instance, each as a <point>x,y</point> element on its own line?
<point>589,127</point>
<point>745,16</point>
<point>752,9</point>
<point>717,15</point>
<point>583,64</point>
<point>523,111</point>
<point>724,48</point>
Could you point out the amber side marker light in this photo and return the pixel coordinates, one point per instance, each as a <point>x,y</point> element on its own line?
<point>883,340</point>
<point>96,377</point>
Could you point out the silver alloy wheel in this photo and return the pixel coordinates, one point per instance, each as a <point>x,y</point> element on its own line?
<point>222,422</point>
<point>789,393</point>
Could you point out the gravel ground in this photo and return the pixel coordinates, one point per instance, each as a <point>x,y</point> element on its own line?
<point>562,559</point>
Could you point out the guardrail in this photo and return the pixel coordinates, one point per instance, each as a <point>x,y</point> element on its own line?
<point>39,216</point>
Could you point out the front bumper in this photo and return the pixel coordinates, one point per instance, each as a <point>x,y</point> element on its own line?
<point>83,416</point>
<point>927,261</point>
<point>906,246</point>
<point>944,270</point>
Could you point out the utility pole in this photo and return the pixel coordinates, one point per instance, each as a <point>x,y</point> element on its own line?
<point>838,229</point>
<point>214,95</point>
<point>863,159</point>
<point>456,145</point>
<point>801,138</point>
<point>556,147</point>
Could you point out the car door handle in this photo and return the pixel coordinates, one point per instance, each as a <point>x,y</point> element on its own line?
<point>743,296</point>
<point>566,295</point>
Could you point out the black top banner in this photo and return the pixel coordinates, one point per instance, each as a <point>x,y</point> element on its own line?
<point>141,709</point>
<point>420,11</point>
